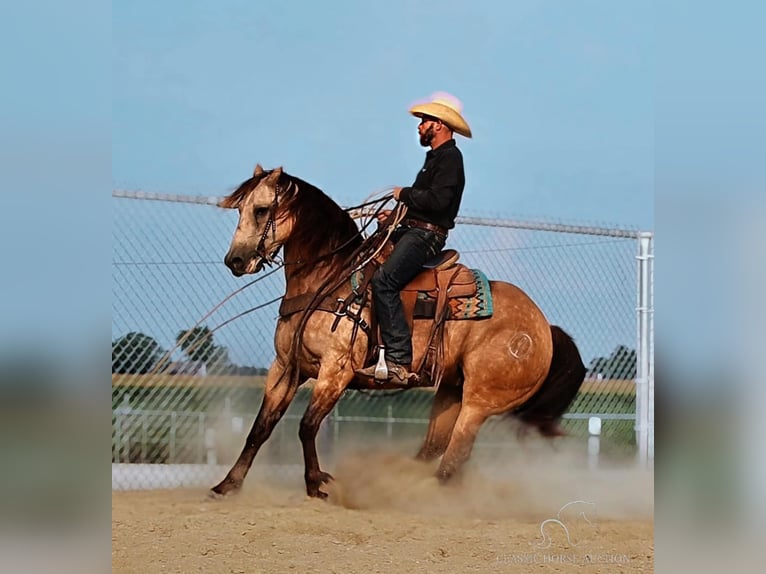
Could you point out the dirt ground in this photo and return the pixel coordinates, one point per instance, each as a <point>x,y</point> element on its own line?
<point>386,513</point>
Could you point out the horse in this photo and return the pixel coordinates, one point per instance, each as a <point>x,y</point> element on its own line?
<point>513,363</point>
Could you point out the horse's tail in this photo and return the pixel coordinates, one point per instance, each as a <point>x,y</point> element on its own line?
<point>544,409</point>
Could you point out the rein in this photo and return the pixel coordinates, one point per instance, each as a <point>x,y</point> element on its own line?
<point>271,225</point>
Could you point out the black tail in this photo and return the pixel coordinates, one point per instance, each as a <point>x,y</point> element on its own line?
<point>566,374</point>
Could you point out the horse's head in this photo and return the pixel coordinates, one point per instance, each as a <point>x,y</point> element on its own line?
<point>264,221</point>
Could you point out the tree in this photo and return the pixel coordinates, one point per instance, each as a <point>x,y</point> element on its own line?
<point>135,353</point>
<point>197,343</point>
<point>200,346</point>
<point>621,364</point>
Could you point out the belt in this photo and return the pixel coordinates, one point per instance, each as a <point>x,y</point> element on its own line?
<point>425,225</point>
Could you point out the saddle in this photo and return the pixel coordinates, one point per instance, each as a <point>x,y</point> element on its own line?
<point>442,279</point>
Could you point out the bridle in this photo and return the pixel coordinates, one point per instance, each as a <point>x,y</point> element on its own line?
<point>271,225</point>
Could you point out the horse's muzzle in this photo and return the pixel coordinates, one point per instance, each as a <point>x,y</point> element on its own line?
<point>240,266</point>
<point>235,264</point>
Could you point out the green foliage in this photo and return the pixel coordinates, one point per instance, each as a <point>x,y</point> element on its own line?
<point>135,353</point>
<point>621,364</point>
<point>197,343</point>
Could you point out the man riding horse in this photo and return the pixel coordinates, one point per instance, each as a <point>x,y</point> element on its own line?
<point>433,202</point>
<point>510,361</point>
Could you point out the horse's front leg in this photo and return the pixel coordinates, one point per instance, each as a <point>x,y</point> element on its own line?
<point>277,395</point>
<point>329,386</point>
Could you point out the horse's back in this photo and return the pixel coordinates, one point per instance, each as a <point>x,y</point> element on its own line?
<point>510,302</point>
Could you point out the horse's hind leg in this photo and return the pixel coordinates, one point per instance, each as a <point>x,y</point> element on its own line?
<point>444,413</point>
<point>277,395</point>
<point>327,390</point>
<point>468,423</point>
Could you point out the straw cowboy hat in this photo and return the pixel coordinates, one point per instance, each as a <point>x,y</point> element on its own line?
<point>444,108</point>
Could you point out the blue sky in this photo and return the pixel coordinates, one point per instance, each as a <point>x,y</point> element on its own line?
<point>558,94</point>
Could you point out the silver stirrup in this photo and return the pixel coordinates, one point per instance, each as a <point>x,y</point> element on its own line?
<point>381,369</point>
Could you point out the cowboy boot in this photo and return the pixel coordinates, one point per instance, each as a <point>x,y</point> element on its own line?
<point>387,371</point>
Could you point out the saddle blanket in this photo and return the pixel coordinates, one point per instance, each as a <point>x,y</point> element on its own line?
<point>474,307</point>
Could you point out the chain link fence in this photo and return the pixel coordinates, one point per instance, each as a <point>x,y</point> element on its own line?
<point>181,419</point>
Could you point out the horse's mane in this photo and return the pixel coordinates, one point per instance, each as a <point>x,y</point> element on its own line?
<point>321,225</point>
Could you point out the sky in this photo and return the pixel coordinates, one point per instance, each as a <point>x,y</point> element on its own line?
<point>558,95</point>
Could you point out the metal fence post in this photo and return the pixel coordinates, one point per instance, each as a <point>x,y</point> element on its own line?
<point>644,350</point>
<point>594,441</point>
<point>335,424</point>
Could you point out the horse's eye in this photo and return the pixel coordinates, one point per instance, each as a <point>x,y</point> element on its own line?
<point>261,211</point>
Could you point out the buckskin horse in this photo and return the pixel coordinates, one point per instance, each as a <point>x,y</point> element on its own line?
<point>512,362</point>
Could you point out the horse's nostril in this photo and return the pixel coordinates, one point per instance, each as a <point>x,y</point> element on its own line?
<point>235,263</point>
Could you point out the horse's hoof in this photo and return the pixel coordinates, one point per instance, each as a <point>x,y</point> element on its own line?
<point>315,481</point>
<point>224,489</point>
<point>319,478</point>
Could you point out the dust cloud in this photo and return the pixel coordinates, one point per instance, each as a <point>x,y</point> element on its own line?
<point>533,482</point>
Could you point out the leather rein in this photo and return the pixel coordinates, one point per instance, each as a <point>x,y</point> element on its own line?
<point>271,225</point>
<point>312,301</point>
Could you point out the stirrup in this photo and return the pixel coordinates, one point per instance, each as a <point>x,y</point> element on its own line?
<point>381,368</point>
<point>378,371</point>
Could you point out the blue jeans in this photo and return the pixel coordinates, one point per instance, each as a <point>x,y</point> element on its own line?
<point>413,248</point>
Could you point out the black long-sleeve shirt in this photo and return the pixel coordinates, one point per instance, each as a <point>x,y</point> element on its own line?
<point>435,196</point>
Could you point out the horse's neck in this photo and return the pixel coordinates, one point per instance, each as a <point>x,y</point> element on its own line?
<point>301,275</point>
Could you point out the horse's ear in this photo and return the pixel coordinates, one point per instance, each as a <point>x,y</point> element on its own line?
<point>274,176</point>
<point>258,170</point>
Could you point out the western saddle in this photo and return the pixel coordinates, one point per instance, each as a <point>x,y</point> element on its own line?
<point>442,278</point>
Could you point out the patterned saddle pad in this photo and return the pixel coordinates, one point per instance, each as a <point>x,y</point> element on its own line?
<point>474,307</point>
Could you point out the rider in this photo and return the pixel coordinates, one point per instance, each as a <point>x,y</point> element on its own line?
<point>432,203</point>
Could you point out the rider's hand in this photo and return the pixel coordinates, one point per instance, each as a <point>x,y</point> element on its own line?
<point>397,191</point>
<point>383,215</point>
